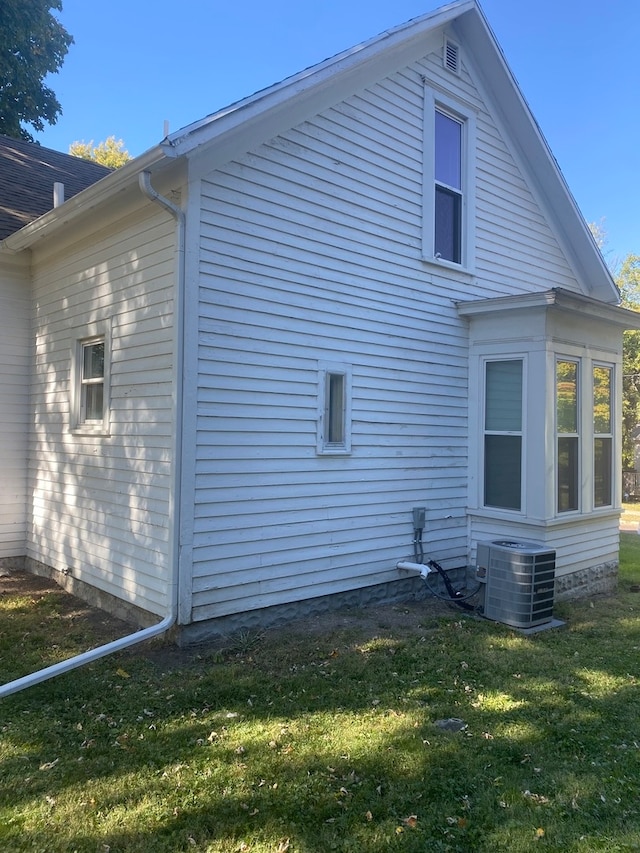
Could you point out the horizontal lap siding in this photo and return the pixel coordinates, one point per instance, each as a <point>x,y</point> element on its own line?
<point>14,405</point>
<point>579,544</point>
<point>101,505</point>
<point>310,253</point>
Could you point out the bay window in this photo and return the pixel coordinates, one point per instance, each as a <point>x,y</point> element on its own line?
<point>568,436</point>
<point>503,434</point>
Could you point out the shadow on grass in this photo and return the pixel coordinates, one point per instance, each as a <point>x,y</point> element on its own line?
<point>331,741</point>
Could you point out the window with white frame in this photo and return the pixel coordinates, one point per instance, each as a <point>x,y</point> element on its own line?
<point>503,434</point>
<point>602,436</point>
<point>334,409</point>
<point>90,383</point>
<point>567,435</point>
<point>449,181</point>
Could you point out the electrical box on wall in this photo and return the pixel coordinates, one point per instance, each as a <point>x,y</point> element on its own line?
<point>519,580</point>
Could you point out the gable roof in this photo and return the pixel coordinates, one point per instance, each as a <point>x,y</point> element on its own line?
<point>243,125</point>
<point>27,175</point>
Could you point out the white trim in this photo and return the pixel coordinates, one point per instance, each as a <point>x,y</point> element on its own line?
<point>92,333</point>
<point>323,446</point>
<point>434,100</point>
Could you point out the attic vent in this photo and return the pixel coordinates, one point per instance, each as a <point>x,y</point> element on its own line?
<point>451,56</point>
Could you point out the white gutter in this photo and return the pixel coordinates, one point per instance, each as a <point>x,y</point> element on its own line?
<point>174,551</point>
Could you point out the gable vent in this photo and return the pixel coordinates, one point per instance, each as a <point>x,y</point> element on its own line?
<point>451,56</point>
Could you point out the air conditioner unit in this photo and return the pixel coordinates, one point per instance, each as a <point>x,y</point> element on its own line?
<point>519,579</point>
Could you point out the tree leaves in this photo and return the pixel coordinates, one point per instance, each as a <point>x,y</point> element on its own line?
<point>33,44</point>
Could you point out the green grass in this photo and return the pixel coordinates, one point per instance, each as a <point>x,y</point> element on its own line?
<point>316,742</point>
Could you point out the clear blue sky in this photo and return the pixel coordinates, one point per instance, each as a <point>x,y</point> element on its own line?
<point>137,63</point>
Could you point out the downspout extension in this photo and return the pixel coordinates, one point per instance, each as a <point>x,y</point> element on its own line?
<point>140,636</point>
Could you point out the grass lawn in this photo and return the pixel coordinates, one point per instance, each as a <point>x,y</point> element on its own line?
<point>317,741</point>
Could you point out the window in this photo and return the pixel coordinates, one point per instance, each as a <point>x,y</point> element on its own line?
<point>334,409</point>
<point>448,188</point>
<point>602,436</point>
<point>503,434</point>
<point>90,382</point>
<point>568,436</point>
<point>448,228</point>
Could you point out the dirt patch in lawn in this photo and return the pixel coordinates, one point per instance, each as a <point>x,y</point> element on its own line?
<point>398,620</point>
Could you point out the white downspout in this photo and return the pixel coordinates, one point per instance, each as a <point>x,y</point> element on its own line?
<point>140,636</point>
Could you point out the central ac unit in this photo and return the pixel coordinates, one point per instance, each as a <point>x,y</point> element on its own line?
<point>519,582</point>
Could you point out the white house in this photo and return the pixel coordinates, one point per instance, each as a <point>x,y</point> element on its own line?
<point>233,367</point>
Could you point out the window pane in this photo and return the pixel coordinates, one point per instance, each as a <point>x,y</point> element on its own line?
<point>602,472</point>
<point>448,219</point>
<point>94,394</point>
<point>502,471</point>
<point>567,396</point>
<point>503,396</point>
<point>601,400</point>
<point>335,408</point>
<point>93,367</point>
<point>448,148</point>
<point>567,474</point>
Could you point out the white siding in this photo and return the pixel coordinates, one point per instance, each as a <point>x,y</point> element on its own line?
<point>101,504</point>
<point>579,544</point>
<point>14,404</point>
<point>310,252</point>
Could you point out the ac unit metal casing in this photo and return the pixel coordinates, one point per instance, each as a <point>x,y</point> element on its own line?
<point>520,580</point>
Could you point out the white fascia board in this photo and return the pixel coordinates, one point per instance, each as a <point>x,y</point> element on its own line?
<point>557,298</point>
<point>501,91</point>
<point>285,104</point>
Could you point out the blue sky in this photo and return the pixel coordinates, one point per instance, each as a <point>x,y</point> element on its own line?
<point>136,64</point>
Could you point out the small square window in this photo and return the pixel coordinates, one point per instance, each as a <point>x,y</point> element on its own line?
<point>334,409</point>
<point>90,384</point>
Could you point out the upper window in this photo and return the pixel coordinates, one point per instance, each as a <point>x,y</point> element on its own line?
<point>334,409</point>
<point>503,434</point>
<point>448,188</point>
<point>90,383</point>
<point>448,181</point>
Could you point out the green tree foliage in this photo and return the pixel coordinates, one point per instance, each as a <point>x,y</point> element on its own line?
<point>33,43</point>
<point>111,152</point>
<point>628,281</point>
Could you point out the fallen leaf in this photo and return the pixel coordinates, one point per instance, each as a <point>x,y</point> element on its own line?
<point>283,846</point>
<point>539,833</point>
<point>411,821</point>
<point>122,673</point>
<point>49,764</point>
<point>369,816</point>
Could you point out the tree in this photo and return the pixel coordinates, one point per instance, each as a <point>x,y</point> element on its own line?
<point>628,281</point>
<point>33,43</point>
<point>111,152</point>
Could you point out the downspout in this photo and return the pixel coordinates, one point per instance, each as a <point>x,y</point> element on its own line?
<point>144,180</point>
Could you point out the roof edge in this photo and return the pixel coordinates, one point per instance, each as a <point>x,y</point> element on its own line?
<point>93,196</point>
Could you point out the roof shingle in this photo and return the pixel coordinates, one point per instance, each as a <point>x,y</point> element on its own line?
<point>27,175</point>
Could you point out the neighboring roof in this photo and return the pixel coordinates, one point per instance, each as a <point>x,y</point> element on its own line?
<point>27,175</point>
<point>243,125</point>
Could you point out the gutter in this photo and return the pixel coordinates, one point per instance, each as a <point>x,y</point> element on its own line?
<point>144,180</point>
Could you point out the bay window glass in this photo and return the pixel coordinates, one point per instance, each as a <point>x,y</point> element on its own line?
<point>503,434</point>
<point>568,436</point>
<point>602,436</point>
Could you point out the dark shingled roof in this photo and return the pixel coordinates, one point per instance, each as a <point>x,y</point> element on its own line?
<point>27,175</point>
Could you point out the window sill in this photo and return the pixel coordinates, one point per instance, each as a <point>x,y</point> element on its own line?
<point>448,268</point>
<point>98,431</point>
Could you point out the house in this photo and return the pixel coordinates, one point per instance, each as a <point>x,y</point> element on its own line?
<point>252,351</point>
